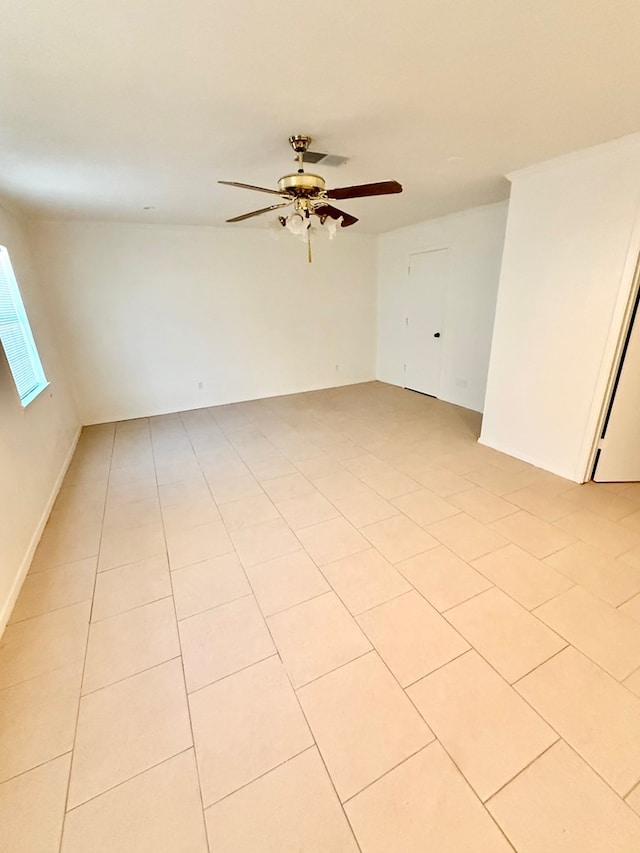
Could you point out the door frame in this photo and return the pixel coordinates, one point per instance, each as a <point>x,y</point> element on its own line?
<point>433,247</point>
<point>629,282</point>
<point>631,316</point>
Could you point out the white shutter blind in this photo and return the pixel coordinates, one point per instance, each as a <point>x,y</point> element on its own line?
<point>16,336</point>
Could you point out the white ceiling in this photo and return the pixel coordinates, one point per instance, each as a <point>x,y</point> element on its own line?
<point>110,106</point>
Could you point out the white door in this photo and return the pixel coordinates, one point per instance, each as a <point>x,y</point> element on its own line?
<point>619,456</point>
<point>424,320</point>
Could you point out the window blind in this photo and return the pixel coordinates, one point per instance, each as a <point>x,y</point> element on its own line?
<point>16,336</point>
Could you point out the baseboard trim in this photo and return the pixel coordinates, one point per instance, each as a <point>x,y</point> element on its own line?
<point>566,475</point>
<point>7,608</point>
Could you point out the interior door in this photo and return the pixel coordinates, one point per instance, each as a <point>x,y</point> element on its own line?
<point>619,455</point>
<point>424,320</point>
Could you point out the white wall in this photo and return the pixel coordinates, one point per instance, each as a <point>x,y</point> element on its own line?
<point>148,312</point>
<point>570,248</point>
<point>475,238</point>
<point>34,442</point>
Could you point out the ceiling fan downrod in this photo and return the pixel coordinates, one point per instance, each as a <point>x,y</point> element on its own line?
<point>300,145</point>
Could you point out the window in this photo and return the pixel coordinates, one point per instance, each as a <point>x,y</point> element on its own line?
<point>16,336</point>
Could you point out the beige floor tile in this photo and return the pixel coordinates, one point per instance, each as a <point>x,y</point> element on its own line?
<point>633,799</point>
<point>466,536</point>
<point>488,730</point>
<point>364,507</point>
<point>632,557</point>
<point>339,485</point>
<point>37,720</point>
<point>604,576</point>
<point>191,513</point>
<point>232,488</point>
<point>398,538</point>
<point>608,536</point>
<point>190,545</point>
<point>559,804</point>
<point>248,511</point>
<point>223,640</point>
<point>318,467</point>
<point>124,515</point>
<point>284,488</point>
<point>332,540</point>
<point>208,584</point>
<point>424,804</point>
<point>607,636</point>
<point>32,808</point>
<point>363,723</point>
<point>315,637</point>
<point>411,637</point>
<point>500,482</point>
<point>532,534</point>
<point>632,522</point>
<point>61,545</point>
<point>597,717</point>
<point>128,727</point>
<point>293,808</point>
<point>632,607</point>
<point>159,811</point>
<point>424,507</point>
<point>392,485</point>
<point>244,726</point>
<point>482,505</point>
<point>442,577</point>
<point>523,577</point>
<point>306,510</point>
<point>444,482</point>
<point>185,493</point>
<point>271,467</point>
<point>133,585</point>
<point>128,546</point>
<point>131,492</point>
<point>264,542</point>
<point>365,580</point>
<point>130,642</point>
<point>43,643</point>
<point>600,501</point>
<point>542,502</point>
<point>512,640</point>
<point>45,591</point>
<point>286,581</point>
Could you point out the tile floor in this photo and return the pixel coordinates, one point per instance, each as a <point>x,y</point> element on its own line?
<point>328,623</point>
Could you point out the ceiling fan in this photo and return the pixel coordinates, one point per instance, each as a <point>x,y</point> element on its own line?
<point>309,197</point>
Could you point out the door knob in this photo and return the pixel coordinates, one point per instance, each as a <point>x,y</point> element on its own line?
<point>437,335</point>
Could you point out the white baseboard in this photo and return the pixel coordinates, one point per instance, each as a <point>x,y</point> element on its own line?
<point>8,605</point>
<point>537,463</point>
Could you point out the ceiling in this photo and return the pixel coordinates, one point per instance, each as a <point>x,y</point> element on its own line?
<point>108,107</point>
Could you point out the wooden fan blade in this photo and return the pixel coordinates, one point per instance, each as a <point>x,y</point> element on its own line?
<point>258,212</point>
<point>249,187</point>
<point>361,190</point>
<point>334,213</point>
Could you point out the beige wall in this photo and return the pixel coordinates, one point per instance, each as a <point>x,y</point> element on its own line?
<point>34,442</point>
<point>161,318</point>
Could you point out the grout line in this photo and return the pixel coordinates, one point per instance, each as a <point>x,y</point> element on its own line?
<point>36,766</point>
<point>231,674</point>
<point>335,668</point>
<point>261,776</point>
<point>129,779</point>
<point>184,676</point>
<point>156,665</point>
<point>86,649</point>
<point>526,767</point>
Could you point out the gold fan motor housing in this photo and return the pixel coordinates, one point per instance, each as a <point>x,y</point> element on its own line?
<point>304,184</point>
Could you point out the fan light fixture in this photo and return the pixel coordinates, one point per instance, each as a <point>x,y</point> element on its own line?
<point>309,197</point>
